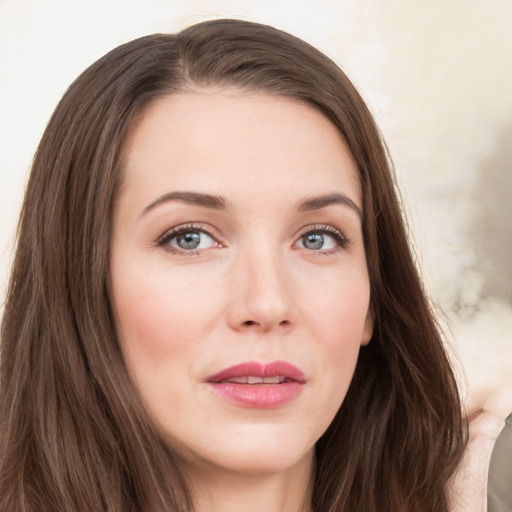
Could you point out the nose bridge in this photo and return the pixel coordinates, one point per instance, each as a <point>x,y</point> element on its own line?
<point>263,299</point>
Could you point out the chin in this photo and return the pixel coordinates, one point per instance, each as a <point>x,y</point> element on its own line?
<point>252,450</point>
<point>255,463</point>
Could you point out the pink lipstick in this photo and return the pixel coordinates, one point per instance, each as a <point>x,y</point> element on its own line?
<point>256,385</point>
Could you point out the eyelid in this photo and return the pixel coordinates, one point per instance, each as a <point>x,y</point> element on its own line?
<point>169,234</point>
<point>337,234</point>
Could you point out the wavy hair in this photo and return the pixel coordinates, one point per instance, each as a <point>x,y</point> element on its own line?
<point>74,435</point>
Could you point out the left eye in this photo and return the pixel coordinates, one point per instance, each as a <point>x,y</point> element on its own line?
<point>318,241</point>
<point>190,240</point>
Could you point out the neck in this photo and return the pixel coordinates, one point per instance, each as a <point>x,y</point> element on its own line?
<point>283,491</point>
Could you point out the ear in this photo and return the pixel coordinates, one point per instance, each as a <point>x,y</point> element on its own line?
<point>367,328</point>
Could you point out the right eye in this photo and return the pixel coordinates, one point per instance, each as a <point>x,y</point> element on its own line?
<point>183,240</point>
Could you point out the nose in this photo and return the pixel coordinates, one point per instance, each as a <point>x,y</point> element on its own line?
<point>262,295</point>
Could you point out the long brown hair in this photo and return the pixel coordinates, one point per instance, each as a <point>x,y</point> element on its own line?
<point>74,435</point>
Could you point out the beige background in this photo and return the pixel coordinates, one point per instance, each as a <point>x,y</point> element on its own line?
<point>437,75</point>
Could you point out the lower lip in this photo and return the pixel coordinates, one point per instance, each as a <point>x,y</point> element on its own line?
<point>258,396</point>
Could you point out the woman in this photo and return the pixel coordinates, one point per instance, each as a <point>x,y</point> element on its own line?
<point>213,304</point>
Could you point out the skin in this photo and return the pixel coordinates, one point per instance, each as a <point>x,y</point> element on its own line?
<point>487,409</point>
<point>254,290</point>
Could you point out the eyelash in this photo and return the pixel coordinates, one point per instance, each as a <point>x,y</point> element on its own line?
<point>164,240</point>
<point>341,240</point>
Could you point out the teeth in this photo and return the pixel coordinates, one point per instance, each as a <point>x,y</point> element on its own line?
<point>271,380</point>
<point>277,379</point>
<point>237,380</point>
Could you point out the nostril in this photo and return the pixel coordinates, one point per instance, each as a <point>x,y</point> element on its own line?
<point>265,324</point>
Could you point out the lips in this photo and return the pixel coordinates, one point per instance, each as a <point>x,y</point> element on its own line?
<point>256,385</point>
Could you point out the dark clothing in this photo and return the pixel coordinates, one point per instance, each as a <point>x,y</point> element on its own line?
<point>499,489</point>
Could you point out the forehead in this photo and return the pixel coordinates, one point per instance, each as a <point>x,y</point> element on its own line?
<point>226,140</point>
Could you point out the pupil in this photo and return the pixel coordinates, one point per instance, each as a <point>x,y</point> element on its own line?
<point>313,241</point>
<point>190,240</point>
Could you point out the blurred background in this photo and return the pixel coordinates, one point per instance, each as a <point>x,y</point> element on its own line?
<point>437,75</point>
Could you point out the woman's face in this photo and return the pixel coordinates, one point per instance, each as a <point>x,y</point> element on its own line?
<point>239,278</point>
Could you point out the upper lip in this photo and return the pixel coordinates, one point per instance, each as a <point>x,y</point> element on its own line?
<point>254,369</point>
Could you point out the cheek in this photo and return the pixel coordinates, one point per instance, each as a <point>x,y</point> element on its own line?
<point>160,319</point>
<point>336,314</point>
<point>338,305</point>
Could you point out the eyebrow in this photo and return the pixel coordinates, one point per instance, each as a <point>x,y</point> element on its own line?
<point>193,198</point>
<point>220,203</point>
<point>322,201</point>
